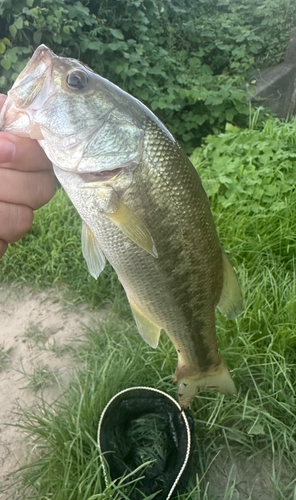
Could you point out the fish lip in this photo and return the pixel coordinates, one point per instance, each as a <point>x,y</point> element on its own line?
<point>26,92</point>
<point>37,58</point>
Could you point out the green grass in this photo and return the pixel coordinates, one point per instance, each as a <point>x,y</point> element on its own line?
<point>260,422</point>
<point>41,377</point>
<point>259,346</point>
<point>34,333</point>
<point>4,357</point>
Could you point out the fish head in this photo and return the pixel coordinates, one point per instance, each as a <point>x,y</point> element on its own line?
<point>84,123</point>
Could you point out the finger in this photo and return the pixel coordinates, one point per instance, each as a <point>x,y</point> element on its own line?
<point>2,100</point>
<point>3,248</point>
<point>21,153</point>
<point>33,189</point>
<point>15,221</point>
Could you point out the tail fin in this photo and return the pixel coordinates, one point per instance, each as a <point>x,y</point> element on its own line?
<point>221,381</point>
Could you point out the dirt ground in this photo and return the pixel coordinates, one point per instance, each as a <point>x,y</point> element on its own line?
<point>35,328</point>
<point>34,332</point>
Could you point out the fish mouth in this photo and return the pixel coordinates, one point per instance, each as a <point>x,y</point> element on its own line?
<point>28,94</point>
<point>31,81</point>
<point>94,177</point>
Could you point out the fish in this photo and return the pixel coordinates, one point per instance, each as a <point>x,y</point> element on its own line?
<point>142,205</point>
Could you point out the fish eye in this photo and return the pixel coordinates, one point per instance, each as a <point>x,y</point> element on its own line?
<point>76,79</point>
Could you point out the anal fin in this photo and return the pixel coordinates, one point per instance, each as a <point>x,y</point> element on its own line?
<point>231,300</point>
<point>148,330</point>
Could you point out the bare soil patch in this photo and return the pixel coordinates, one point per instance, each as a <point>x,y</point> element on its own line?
<point>35,330</point>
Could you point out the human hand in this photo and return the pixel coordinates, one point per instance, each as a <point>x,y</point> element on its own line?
<point>26,183</point>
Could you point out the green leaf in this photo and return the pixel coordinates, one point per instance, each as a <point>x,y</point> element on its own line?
<point>271,190</point>
<point>231,128</point>
<point>6,62</point>
<point>2,47</point>
<point>13,54</point>
<point>37,37</point>
<point>117,45</point>
<point>80,8</point>
<point>19,24</point>
<point>117,34</point>
<point>30,3</point>
<point>13,30</point>
<point>57,38</point>
<point>97,45</point>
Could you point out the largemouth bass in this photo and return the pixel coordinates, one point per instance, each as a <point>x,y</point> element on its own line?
<point>142,207</point>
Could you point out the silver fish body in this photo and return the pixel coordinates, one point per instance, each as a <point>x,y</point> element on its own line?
<point>142,205</point>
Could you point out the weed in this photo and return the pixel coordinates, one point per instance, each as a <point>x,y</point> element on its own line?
<point>41,377</point>
<point>59,349</point>
<point>4,357</point>
<point>35,333</point>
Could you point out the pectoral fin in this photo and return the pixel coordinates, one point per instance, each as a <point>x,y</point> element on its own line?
<point>92,252</point>
<point>147,329</point>
<point>231,300</point>
<point>132,226</point>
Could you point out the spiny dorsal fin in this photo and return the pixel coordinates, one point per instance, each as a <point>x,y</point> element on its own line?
<point>149,330</point>
<point>92,252</point>
<point>231,300</point>
<point>132,226</point>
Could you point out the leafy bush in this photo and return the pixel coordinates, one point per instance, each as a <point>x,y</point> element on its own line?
<point>250,176</point>
<point>185,59</point>
<point>253,170</point>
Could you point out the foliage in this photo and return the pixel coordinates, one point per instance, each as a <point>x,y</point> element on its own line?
<point>186,59</point>
<point>249,176</point>
<point>253,170</point>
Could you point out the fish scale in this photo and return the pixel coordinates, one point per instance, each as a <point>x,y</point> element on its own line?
<point>188,277</point>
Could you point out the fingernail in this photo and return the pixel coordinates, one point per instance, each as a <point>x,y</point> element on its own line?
<point>7,151</point>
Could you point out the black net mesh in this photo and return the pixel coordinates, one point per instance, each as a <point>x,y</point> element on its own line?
<point>141,425</point>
